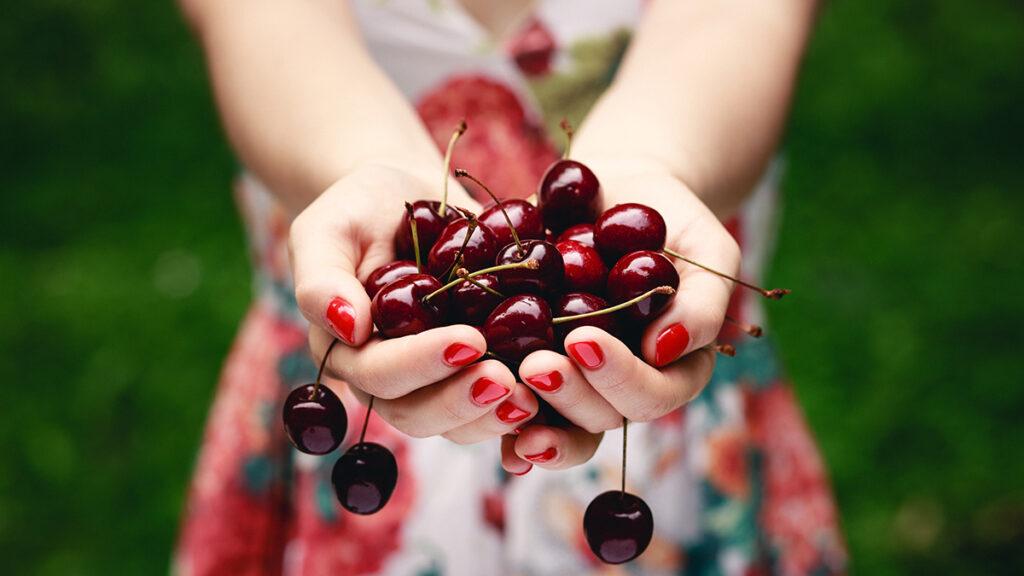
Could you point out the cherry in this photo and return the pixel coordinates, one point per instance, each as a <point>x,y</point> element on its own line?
<point>518,326</point>
<point>431,216</point>
<point>584,269</point>
<point>618,526</point>
<point>473,241</point>
<point>408,306</point>
<point>473,300</point>
<point>569,192</point>
<point>546,279</point>
<point>366,474</point>
<point>524,216</point>
<point>626,228</point>
<point>365,477</point>
<point>575,303</point>
<point>636,273</point>
<point>314,418</point>
<point>387,274</point>
<point>582,233</point>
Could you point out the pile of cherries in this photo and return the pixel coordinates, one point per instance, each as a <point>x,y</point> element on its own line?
<point>525,276</point>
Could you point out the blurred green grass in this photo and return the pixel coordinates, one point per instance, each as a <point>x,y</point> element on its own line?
<point>125,276</point>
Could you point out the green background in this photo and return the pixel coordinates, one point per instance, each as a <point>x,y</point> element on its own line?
<point>124,276</point>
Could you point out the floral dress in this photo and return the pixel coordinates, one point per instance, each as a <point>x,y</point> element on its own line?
<point>734,478</point>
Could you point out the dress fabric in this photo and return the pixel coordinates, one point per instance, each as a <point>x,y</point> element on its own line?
<point>735,480</point>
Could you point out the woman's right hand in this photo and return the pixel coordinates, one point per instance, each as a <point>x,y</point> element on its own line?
<point>426,384</point>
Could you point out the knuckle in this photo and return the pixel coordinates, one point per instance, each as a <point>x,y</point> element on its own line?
<point>455,412</point>
<point>602,424</point>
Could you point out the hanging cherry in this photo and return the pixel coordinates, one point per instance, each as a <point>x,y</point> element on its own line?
<point>314,418</point>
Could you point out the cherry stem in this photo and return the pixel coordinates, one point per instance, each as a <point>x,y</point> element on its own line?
<point>723,349</point>
<point>415,237</point>
<point>751,329</point>
<point>460,173</point>
<point>625,423</point>
<point>442,210</point>
<point>530,264</point>
<point>464,275</point>
<point>668,290</point>
<point>366,421</point>
<point>567,128</point>
<point>320,372</point>
<point>470,228</point>
<point>773,294</point>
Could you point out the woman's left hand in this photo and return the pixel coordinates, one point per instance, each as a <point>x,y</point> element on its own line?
<point>602,381</point>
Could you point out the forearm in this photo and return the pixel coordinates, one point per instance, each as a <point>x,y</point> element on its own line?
<point>703,93</point>
<point>301,100</point>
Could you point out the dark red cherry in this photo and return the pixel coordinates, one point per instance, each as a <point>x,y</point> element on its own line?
<point>479,252</point>
<point>575,303</point>
<point>546,279</point>
<point>518,326</point>
<point>582,233</point>
<point>314,419</point>
<point>387,274</point>
<point>365,477</point>
<point>626,228</point>
<point>429,225</point>
<point>524,216</point>
<point>550,237</point>
<point>584,269</point>
<point>399,309</point>
<point>618,526</point>
<point>471,303</point>
<point>569,194</point>
<point>636,273</point>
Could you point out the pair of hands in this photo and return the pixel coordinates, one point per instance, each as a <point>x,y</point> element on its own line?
<point>427,384</point>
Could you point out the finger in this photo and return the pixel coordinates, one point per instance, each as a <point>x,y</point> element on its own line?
<point>510,461</point>
<point>324,259</point>
<point>393,368</point>
<point>556,448</point>
<point>518,408</point>
<point>634,388</point>
<point>557,380</point>
<point>695,316</point>
<point>449,404</point>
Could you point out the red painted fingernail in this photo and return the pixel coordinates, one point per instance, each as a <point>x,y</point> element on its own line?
<point>523,473</point>
<point>342,318</point>
<point>458,355</point>
<point>509,413</point>
<point>544,456</point>
<point>547,382</point>
<point>670,344</point>
<point>587,353</point>
<point>486,391</point>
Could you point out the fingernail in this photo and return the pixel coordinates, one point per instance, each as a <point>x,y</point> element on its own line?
<point>544,456</point>
<point>587,353</point>
<point>670,344</point>
<point>342,318</point>
<point>509,413</point>
<point>486,391</point>
<point>523,473</point>
<point>546,382</point>
<point>458,355</point>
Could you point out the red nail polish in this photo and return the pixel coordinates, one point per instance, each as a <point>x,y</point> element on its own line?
<point>509,413</point>
<point>546,382</point>
<point>544,456</point>
<point>523,473</point>
<point>486,391</point>
<point>670,344</point>
<point>342,318</point>
<point>587,353</point>
<point>458,355</point>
